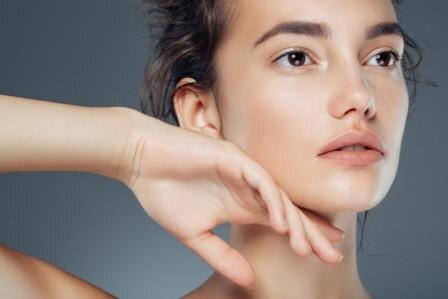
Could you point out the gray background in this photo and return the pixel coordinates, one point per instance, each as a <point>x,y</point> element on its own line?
<point>93,53</point>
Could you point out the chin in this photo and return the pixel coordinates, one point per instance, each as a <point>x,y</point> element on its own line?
<point>340,200</point>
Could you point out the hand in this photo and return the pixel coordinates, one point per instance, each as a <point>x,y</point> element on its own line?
<point>190,183</point>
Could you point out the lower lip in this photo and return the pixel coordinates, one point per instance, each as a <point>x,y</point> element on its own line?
<point>354,157</point>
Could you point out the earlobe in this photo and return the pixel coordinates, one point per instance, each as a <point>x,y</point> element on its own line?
<point>195,109</point>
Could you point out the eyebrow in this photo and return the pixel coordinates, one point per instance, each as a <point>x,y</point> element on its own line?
<point>323,30</point>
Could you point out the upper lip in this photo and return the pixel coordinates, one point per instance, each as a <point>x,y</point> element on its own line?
<point>366,138</point>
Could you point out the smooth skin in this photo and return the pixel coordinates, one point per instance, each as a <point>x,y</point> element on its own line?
<point>281,114</point>
<point>186,181</point>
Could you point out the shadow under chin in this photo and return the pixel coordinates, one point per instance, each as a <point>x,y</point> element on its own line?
<point>332,217</point>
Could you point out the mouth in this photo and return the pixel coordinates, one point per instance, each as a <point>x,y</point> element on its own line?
<point>355,148</point>
<point>366,156</point>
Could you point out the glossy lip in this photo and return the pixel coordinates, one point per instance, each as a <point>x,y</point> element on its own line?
<point>354,157</point>
<point>366,138</point>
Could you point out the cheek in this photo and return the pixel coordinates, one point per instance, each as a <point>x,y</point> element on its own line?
<point>282,117</point>
<point>392,110</point>
<point>279,126</point>
<point>282,124</point>
<point>276,122</point>
<point>272,121</point>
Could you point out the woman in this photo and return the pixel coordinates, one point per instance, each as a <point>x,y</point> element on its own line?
<point>282,79</point>
<point>348,79</point>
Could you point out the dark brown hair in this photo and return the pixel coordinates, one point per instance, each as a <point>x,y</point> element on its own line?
<point>187,34</point>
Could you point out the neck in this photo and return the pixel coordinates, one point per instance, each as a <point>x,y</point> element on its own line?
<point>280,273</point>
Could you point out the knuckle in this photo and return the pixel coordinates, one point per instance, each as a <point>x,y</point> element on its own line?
<point>231,147</point>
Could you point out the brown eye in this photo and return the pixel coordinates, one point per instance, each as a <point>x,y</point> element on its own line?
<point>293,58</point>
<point>384,58</point>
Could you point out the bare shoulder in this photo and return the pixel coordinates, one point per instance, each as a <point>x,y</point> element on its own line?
<point>24,276</point>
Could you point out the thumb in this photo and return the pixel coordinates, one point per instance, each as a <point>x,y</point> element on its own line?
<point>219,255</point>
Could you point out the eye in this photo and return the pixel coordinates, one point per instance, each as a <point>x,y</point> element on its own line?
<point>294,58</point>
<point>384,58</point>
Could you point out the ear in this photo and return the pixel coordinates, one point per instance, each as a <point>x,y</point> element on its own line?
<point>195,109</point>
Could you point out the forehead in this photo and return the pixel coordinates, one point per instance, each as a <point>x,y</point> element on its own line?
<point>254,17</point>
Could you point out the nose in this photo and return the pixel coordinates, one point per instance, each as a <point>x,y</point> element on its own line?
<point>352,95</point>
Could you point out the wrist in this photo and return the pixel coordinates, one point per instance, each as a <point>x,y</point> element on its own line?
<point>125,167</point>
<point>121,135</point>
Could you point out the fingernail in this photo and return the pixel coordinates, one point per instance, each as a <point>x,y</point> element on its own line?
<point>341,257</point>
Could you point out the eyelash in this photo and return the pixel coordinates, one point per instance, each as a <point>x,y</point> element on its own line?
<point>395,54</point>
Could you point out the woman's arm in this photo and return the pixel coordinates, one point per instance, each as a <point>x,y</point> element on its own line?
<point>172,171</point>
<point>24,276</point>
<point>38,135</point>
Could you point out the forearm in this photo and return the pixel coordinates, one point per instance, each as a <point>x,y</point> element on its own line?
<point>38,135</point>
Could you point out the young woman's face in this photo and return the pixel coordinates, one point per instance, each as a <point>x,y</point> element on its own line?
<point>281,110</point>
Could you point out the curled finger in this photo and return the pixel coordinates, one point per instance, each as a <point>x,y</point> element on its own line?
<point>269,192</point>
<point>297,235</point>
